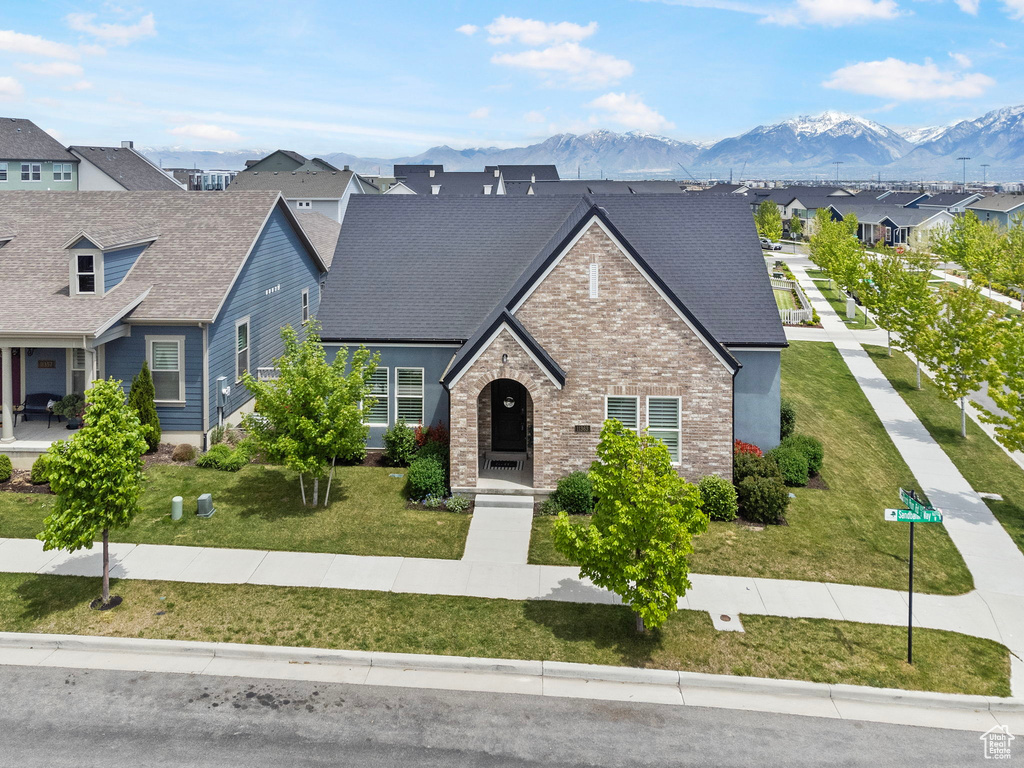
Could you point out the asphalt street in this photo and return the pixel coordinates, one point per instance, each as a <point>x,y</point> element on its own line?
<point>58,717</point>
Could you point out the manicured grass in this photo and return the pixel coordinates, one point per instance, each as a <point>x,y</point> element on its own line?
<point>981,461</point>
<point>816,650</point>
<point>834,535</point>
<point>260,508</point>
<point>784,299</point>
<point>837,299</point>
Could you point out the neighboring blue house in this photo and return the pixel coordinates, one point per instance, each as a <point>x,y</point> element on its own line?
<point>94,283</point>
<point>1001,208</point>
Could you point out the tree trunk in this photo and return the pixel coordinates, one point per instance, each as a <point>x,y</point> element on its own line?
<point>106,566</point>
<point>963,417</point>
<point>918,374</point>
<point>330,479</point>
<point>888,341</point>
<point>316,490</point>
<point>640,628</point>
<point>302,487</point>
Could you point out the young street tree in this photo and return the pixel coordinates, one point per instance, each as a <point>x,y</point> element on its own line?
<point>1006,386</point>
<point>97,476</point>
<point>884,293</point>
<point>640,538</point>
<point>920,306</point>
<point>312,414</point>
<point>1013,257</point>
<point>796,226</point>
<point>768,220</point>
<point>977,247</point>
<point>960,345</point>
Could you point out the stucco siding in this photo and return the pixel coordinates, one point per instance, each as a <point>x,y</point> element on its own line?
<point>757,397</point>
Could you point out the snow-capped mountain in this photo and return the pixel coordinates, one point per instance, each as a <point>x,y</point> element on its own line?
<point>997,135</point>
<point>810,142</point>
<point>921,135</point>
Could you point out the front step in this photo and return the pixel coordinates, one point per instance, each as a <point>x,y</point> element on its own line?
<point>503,501</point>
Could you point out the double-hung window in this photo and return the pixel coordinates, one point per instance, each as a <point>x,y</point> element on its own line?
<point>663,422</point>
<point>78,371</point>
<point>166,356</point>
<point>85,272</point>
<point>625,409</point>
<point>378,414</point>
<point>3,171</point>
<point>305,305</point>
<point>31,171</point>
<point>241,348</point>
<point>409,392</point>
<point>62,171</point>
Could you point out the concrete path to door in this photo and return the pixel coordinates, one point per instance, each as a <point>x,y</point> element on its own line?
<point>500,530</point>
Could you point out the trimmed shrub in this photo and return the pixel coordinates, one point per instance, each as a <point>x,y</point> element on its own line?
<point>39,468</point>
<point>792,465</point>
<point>549,506</point>
<point>787,419</point>
<point>574,494</point>
<point>142,397</point>
<point>810,447</point>
<point>457,503</point>
<point>739,447</point>
<point>399,444</point>
<point>183,452</point>
<point>719,497</point>
<point>746,465</point>
<point>435,434</point>
<point>6,470</point>
<point>762,499</point>
<point>435,450</point>
<point>425,478</point>
<point>222,457</point>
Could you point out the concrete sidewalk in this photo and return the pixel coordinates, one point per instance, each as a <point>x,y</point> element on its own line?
<point>500,530</point>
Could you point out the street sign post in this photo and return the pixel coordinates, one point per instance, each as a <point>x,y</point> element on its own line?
<point>917,512</point>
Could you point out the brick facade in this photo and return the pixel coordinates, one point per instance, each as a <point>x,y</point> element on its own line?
<point>627,341</point>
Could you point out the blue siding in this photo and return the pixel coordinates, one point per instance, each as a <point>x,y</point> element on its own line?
<point>50,380</point>
<point>433,361</point>
<point>756,397</point>
<point>269,292</point>
<point>124,360</point>
<point>117,263</point>
<point>83,243</point>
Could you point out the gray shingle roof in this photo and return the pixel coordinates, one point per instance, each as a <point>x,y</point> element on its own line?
<point>409,170</point>
<point>128,168</point>
<point>875,211</point>
<point>1001,202</point>
<point>304,182</point>
<point>322,232</point>
<point>432,268</point>
<point>22,139</point>
<point>452,183</point>
<point>946,199</point>
<point>202,241</point>
<point>592,187</point>
<point>525,172</point>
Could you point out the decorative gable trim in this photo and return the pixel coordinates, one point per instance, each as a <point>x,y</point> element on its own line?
<point>504,322</point>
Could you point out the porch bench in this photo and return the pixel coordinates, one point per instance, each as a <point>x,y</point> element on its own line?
<point>37,404</point>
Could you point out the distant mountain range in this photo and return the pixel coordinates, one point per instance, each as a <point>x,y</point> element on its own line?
<point>801,148</point>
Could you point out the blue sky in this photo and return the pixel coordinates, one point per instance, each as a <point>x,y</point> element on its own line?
<point>393,78</point>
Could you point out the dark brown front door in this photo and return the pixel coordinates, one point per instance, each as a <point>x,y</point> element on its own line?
<point>508,416</point>
<point>16,377</point>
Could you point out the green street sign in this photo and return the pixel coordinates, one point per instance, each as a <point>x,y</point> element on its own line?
<point>912,502</point>
<point>922,515</point>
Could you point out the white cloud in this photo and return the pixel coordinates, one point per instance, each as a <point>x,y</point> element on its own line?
<point>53,69</point>
<point>569,64</point>
<point>10,87</point>
<point>16,42</point>
<point>834,13</point>
<point>630,111</point>
<point>480,114</point>
<point>112,34</point>
<point>505,29</point>
<point>81,85</point>
<point>205,132</point>
<point>534,116</point>
<point>968,6</point>
<point>55,134</point>
<point>896,79</point>
<point>961,59</point>
<point>1015,8</point>
<point>468,29</point>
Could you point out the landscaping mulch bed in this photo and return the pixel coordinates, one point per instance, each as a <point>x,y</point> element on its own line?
<point>162,455</point>
<point>817,483</point>
<point>374,459</point>
<point>424,508</point>
<point>19,483</point>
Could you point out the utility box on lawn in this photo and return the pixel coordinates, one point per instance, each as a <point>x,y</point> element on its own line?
<point>204,507</point>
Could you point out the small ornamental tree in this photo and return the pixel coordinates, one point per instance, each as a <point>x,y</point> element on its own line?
<point>97,476</point>
<point>1013,258</point>
<point>768,220</point>
<point>884,293</point>
<point>1006,386</point>
<point>142,398</point>
<point>920,306</point>
<point>640,537</point>
<point>977,247</point>
<point>313,413</point>
<point>796,227</point>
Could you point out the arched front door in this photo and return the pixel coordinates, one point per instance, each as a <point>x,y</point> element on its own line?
<point>508,416</point>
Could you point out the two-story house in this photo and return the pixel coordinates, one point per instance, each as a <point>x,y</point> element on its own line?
<point>30,158</point>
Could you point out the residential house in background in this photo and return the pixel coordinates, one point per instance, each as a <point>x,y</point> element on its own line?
<point>95,283</point>
<point>120,168</point>
<point>447,183</point>
<point>890,224</point>
<point>523,323</point>
<point>30,158</point>
<point>1000,208</point>
<point>530,173</point>
<point>954,202</point>
<point>592,187</point>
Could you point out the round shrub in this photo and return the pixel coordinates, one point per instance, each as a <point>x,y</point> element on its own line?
<point>574,494</point>
<point>746,465</point>
<point>399,444</point>
<point>39,467</point>
<point>762,499</point>
<point>437,450</point>
<point>791,463</point>
<point>425,478</point>
<point>810,447</point>
<point>719,497</point>
<point>183,452</point>
<point>549,506</point>
<point>787,419</point>
<point>224,458</point>
<point>457,503</point>
<point>6,470</point>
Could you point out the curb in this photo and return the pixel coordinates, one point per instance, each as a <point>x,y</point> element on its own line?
<point>682,681</point>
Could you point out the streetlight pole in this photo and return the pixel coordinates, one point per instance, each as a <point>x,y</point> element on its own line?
<point>964,161</point>
<point>984,173</point>
<point>837,163</point>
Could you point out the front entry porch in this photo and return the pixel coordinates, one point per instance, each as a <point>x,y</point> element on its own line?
<point>32,439</point>
<point>505,438</point>
<point>505,473</point>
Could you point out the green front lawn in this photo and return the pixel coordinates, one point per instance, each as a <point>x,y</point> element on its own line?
<point>834,535</point>
<point>802,649</point>
<point>837,299</point>
<point>260,508</point>
<point>981,461</point>
<point>784,299</point>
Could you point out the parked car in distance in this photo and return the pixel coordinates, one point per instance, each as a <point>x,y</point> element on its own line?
<point>768,245</point>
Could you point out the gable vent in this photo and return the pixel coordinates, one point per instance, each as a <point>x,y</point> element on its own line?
<point>593,281</point>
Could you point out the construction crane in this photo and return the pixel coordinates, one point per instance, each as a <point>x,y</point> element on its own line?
<point>695,181</point>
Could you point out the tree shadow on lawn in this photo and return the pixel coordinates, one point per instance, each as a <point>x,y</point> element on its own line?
<point>597,626</point>
<point>41,596</point>
<point>275,495</point>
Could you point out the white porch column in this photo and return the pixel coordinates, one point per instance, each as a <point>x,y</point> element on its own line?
<point>7,395</point>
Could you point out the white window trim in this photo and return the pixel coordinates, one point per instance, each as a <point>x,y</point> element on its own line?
<point>248,349</point>
<point>69,369</point>
<point>97,269</point>
<point>387,399</point>
<point>635,398</point>
<point>5,167</point>
<point>594,275</point>
<point>181,365</point>
<point>31,163</point>
<point>306,314</point>
<point>304,205</point>
<point>679,421</point>
<point>421,396</point>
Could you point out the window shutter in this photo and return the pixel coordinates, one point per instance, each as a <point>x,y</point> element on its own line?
<point>663,422</point>
<point>624,409</point>
<point>593,281</point>
<point>409,394</point>
<point>410,382</point>
<point>378,414</point>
